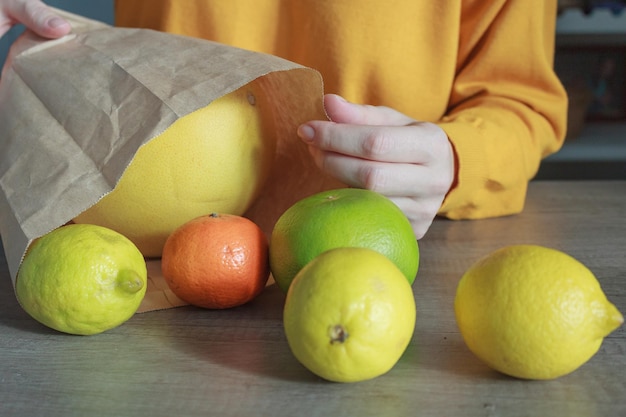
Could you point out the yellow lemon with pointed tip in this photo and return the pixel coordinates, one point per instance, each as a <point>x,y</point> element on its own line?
<point>349,314</point>
<point>82,279</point>
<point>214,160</point>
<point>533,312</point>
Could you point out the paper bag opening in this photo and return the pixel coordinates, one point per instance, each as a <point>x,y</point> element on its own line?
<point>74,111</point>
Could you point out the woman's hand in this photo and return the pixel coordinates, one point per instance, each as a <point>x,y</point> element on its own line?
<point>33,14</point>
<point>382,150</point>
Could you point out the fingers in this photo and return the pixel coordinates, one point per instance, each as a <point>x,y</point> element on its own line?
<point>35,15</point>
<point>415,143</point>
<point>411,187</point>
<point>380,149</point>
<point>388,178</point>
<point>419,212</point>
<point>41,19</point>
<point>341,111</point>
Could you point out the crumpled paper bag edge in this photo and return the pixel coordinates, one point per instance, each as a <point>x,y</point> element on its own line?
<point>26,241</point>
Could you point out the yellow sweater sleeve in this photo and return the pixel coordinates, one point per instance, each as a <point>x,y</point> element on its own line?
<point>480,69</point>
<point>507,108</point>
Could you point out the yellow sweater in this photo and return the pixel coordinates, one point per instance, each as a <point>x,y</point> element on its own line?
<point>480,69</point>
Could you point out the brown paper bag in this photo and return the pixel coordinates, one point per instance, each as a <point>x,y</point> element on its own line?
<point>74,111</point>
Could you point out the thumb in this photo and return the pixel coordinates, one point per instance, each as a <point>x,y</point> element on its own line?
<point>342,111</point>
<point>38,17</point>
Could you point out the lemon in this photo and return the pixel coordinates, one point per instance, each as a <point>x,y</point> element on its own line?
<point>533,312</point>
<point>349,315</point>
<point>212,160</point>
<point>348,217</point>
<point>82,279</point>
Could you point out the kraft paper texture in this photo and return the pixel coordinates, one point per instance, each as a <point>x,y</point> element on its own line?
<point>73,112</point>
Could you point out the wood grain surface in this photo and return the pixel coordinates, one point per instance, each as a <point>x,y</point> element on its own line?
<point>191,362</point>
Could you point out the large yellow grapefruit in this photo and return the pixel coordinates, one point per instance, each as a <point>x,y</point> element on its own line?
<point>212,160</point>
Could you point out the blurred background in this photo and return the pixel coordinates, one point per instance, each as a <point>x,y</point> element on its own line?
<point>590,61</point>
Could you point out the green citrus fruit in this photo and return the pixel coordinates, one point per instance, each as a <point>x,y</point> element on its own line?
<point>533,312</point>
<point>349,315</point>
<point>213,160</point>
<point>347,217</point>
<point>82,279</point>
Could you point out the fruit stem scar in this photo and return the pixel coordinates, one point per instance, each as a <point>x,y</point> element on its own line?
<point>337,334</point>
<point>129,281</point>
<point>214,215</point>
<point>251,98</point>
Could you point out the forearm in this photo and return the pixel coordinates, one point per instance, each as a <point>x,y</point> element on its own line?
<point>508,110</point>
<point>499,149</point>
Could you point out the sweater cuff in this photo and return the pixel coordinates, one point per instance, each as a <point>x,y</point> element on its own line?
<point>469,157</point>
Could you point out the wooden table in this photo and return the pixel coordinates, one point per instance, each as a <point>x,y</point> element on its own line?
<point>192,362</point>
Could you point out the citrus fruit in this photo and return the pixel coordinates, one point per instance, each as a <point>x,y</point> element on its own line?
<point>349,315</point>
<point>339,218</point>
<point>216,261</point>
<point>533,312</point>
<point>212,160</point>
<point>82,279</point>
